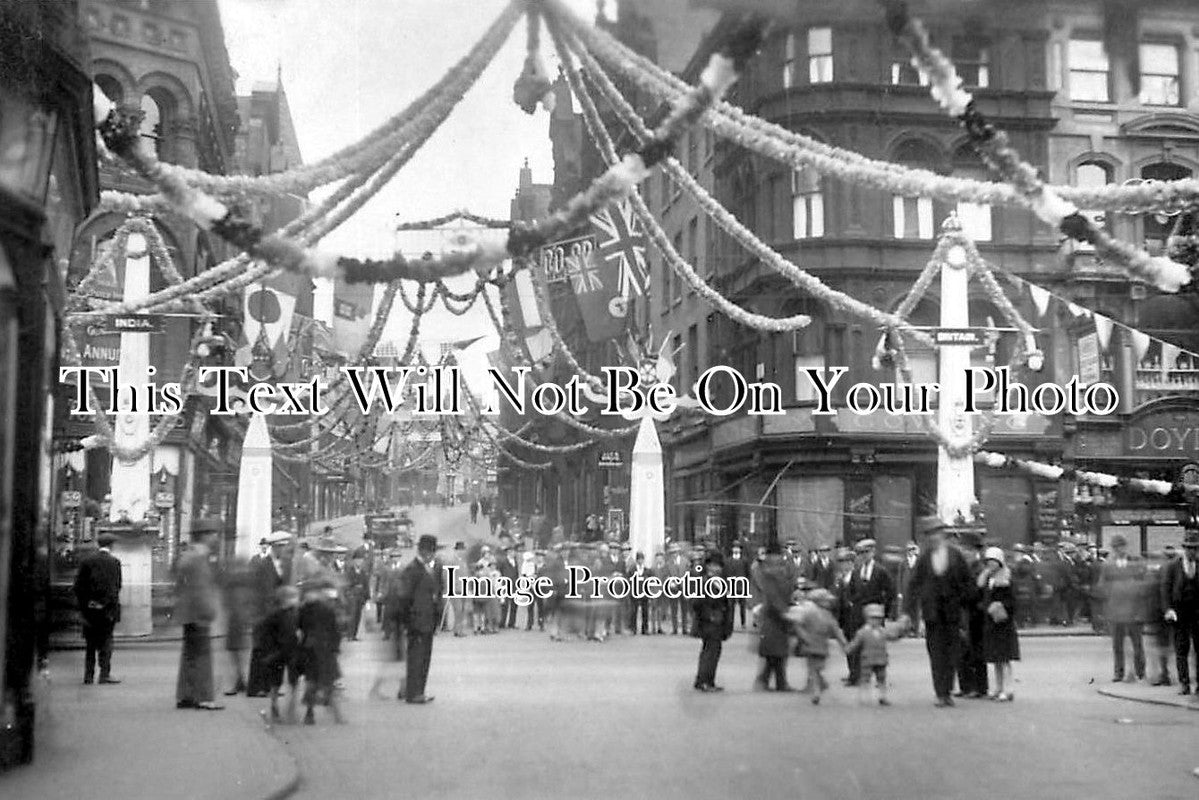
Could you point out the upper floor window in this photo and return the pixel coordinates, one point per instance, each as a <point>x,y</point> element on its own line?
<point>912,217</point>
<point>789,47</point>
<point>973,62</point>
<point>904,73</point>
<point>820,55</point>
<point>1159,74</point>
<point>667,282</point>
<point>807,205</point>
<point>1089,71</point>
<point>975,218</point>
<point>1092,175</point>
<point>152,123</point>
<point>1157,227</point>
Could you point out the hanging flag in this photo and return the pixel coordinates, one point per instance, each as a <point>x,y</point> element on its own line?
<point>352,306</point>
<point>1040,299</point>
<point>1103,327</point>
<point>1170,353</point>
<point>620,243</point>
<point>1077,310</point>
<point>1140,343</point>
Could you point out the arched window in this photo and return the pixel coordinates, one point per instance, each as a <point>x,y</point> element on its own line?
<point>913,216</point>
<point>1092,175</point>
<point>1157,226</point>
<point>975,218</point>
<point>111,88</point>
<point>158,108</point>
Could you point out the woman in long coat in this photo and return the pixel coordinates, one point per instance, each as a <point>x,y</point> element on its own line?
<point>1000,643</point>
<point>774,631</point>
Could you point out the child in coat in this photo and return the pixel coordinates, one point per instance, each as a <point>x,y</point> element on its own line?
<point>871,642</point>
<point>280,645</point>
<point>320,643</point>
<point>815,625</point>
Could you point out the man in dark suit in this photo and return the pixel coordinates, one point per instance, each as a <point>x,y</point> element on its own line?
<point>196,605</point>
<point>1180,599</point>
<point>508,569</point>
<point>906,566</point>
<point>270,570</point>
<point>940,587</point>
<point>640,603</point>
<point>869,583</point>
<point>737,567</point>
<point>713,625</point>
<point>98,594</point>
<point>972,663</point>
<point>1120,585</point>
<point>822,570</point>
<point>417,610</point>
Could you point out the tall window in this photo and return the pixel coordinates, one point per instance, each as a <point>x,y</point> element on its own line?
<point>1092,175</point>
<point>807,205</point>
<point>692,355</point>
<point>151,125</point>
<point>1159,74</point>
<point>975,218</point>
<point>912,217</point>
<point>820,55</point>
<point>1089,71</point>
<point>904,73</point>
<point>789,48</point>
<point>973,62</point>
<point>676,288</point>
<point>807,352</point>
<point>1158,226</point>
<point>667,282</point>
<point>693,245</point>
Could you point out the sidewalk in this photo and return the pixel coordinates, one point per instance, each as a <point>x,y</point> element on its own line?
<point>1154,695</point>
<point>128,741</point>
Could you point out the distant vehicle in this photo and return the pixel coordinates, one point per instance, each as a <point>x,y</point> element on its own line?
<point>389,529</point>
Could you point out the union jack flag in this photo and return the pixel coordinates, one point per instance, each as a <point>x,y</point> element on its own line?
<point>583,274</point>
<point>620,239</point>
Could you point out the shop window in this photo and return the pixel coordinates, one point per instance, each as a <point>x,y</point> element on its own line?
<point>1159,74</point>
<point>1089,71</point>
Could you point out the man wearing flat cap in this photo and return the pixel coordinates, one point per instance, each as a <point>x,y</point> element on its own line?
<point>98,595</point>
<point>1180,602</point>
<point>941,587</point>
<point>869,583</point>
<point>1120,585</point>
<point>417,610</point>
<point>270,571</point>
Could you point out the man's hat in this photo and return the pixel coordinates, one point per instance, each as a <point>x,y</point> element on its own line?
<point>459,545</point>
<point>929,524</point>
<point>427,542</point>
<point>673,547</point>
<point>714,557</point>
<point>539,552</point>
<point>278,537</point>
<point>1019,547</point>
<point>863,545</point>
<point>1190,538</point>
<point>802,583</point>
<point>106,539</point>
<point>969,538</point>
<point>1119,540</point>
<point>913,546</point>
<point>873,610</point>
<point>844,554</point>
<point>262,541</point>
<point>626,547</point>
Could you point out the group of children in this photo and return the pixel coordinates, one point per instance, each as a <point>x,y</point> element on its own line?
<point>303,639</point>
<point>812,619</point>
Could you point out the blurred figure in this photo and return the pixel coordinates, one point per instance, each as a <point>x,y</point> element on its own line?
<point>997,601</point>
<point>713,625</point>
<point>279,643</point>
<point>911,553</point>
<point>195,609</point>
<point>237,593</point>
<point>775,587</point>
<point>460,608</point>
<point>1024,586</point>
<point>1120,586</point>
<point>319,645</point>
<point>972,662</point>
<point>813,621</point>
<point>1156,628</point>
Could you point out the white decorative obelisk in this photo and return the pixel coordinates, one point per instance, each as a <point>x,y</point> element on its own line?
<point>955,473</point>
<point>254,488</point>
<point>131,479</point>
<point>647,494</point>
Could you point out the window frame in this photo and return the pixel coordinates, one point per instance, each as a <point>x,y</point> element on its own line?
<point>1073,86</point>
<point>818,60</point>
<point>807,193</point>
<point>1176,75</point>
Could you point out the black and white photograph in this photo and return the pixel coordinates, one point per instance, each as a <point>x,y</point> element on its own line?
<point>664,399</point>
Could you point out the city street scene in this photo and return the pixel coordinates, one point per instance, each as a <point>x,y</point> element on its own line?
<point>632,398</point>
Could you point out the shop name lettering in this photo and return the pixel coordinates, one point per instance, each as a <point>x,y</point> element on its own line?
<point>1174,438</point>
<point>720,391</point>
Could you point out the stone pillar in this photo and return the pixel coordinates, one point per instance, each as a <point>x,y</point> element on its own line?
<point>181,137</point>
<point>955,473</point>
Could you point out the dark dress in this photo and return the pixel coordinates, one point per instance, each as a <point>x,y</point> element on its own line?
<point>1000,643</point>
<point>320,642</point>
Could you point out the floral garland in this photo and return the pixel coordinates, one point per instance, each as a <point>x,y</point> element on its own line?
<point>781,144</point>
<point>1106,480</point>
<point>366,154</point>
<point>119,134</point>
<point>485,222</point>
<point>515,436</point>
<point>993,147</point>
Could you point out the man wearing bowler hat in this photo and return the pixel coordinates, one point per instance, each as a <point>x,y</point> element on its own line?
<point>940,588</point>
<point>98,594</point>
<point>418,611</point>
<point>1180,599</point>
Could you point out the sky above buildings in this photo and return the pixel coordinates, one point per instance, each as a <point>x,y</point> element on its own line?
<point>348,66</point>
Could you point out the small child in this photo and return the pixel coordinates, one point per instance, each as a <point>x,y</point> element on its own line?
<point>280,646</point>
<point>815,624</point>
<point>871,641</point>
<point>320,643</point>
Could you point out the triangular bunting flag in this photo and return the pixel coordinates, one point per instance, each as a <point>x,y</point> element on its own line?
<point>1103,327</point>
<point>1140,343</point>
<point>1040,299</point>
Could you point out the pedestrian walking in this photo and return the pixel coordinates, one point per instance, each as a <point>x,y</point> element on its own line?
<point>869,584</point>
<point>998,604</point>
<point>737,567</point>
<point>195,609</point>
<point>940,587</point>
<point>418,612</point>
<point>319,645</point>
<point>98,596</point>
<point>1180,597</point>
<point>271,570</point>
<point>815,624</point>
<point>1120,586</point>
<point>474,512</point>
<point>774,641</point>
<point>972,662</point>
<point>279,647</point>
<point>713,625</point>
<point>870,646</point>
<point>237,595</point>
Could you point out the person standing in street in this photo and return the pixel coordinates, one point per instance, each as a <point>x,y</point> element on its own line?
<point>713,625</point>
<point>1120,586</point>
<point>98,595</point>
<point>738,567</point>
<point>1180,599</point>
<point>972,663</point>
<point>940,587</point>
<point>997,602</point>
<point>773,601</point>
<point>195,609</point>
<point>418,613</point>
<point>869,584</point>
